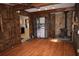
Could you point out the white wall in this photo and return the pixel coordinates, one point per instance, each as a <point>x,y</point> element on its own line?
<point>22,24</point>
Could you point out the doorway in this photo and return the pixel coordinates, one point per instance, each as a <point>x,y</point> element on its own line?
<point>41,27</point>
<point>24,25</point>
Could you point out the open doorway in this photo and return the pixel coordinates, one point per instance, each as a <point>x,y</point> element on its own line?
<point>24,25</point>
<point>41,27</point>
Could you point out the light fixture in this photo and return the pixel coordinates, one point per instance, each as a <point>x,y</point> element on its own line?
<point>39,9</point>
<point>46,8</point>
<point>27,17</point>
<point>78,32</point>
<point>53,7</point>
<point>18,11</point>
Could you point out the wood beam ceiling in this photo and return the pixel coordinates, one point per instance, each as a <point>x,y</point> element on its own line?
<point>41,4</point>
<point>25,13</point>
<point>23,6</point>
<point>54,10</point>
<point>16,9</point>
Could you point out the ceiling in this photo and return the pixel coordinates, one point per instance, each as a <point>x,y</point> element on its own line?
<point>23,6</point>
<point>50,7</point>
<point>31,5</point>
<point>35,7</point>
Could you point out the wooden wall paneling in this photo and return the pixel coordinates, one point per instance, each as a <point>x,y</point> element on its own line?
<point>1,34</point>
<point>36,17</point>
<point>65,13</point>
<point>52,25</point>
<point>76,28</point>
<point>30,26</point>
<point>48,25</point>
<point>16,28</point>
<point>70,23</point>
<point>6,28</point>
<point>11,27</point>
<point>34,25</point>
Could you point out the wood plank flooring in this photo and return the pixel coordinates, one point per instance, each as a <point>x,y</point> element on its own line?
<point>41,47</point>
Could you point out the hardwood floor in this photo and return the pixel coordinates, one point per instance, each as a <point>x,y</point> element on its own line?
<point>41,47</point>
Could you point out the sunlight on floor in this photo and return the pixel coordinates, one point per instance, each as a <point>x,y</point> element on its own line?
<point>55,40</point>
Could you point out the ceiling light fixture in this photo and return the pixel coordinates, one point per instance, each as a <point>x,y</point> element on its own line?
<point>18,11</point>
<point>39,9</point>
<point>53,7</point>
<point>46,9</point>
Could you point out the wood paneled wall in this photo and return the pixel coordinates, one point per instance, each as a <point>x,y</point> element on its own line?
<point>31,26</point>
<point>52,25</point>
<point>76,28</point>
<point>11,28</point>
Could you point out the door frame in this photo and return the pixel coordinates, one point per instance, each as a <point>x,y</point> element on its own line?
<point>37,18</point>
